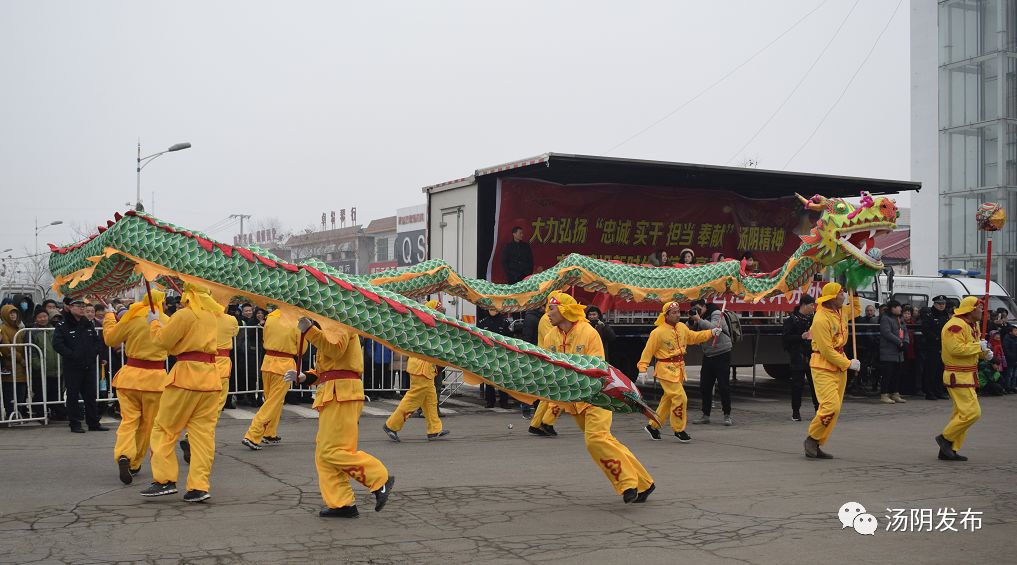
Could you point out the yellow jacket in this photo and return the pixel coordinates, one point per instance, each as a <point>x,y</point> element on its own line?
<point>226,328</point>
<point>284,338</point>
<point>668,341</point>
<point>961,351</point>
<point>189,330</point>
<point>338,350</point>
<point>543,326</point>
<point>581,339</point>
<point>421,368</point>
<point>138,344</point>
<point>829,334</point>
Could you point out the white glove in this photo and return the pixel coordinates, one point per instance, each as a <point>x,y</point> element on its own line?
<point>120,312</point>
<point>152,316</point>
<point>988,357</point>
<point>294,377</point>
<point>716,331</point>
<point>984,344</point>
<point>304,324</point>
<point>855,365</point>
<point>641,377</point>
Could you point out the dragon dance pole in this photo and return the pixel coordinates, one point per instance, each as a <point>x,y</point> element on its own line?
<point>151,303</point>
<point>990,217</point>
<point>854,327</point>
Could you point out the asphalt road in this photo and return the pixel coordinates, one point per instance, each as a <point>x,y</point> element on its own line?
<point>491,494</point>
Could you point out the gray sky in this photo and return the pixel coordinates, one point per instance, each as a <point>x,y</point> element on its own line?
<point>294,108</point>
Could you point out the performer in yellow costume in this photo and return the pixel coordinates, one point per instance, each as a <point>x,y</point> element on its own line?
<point>962,349</point>
<point>339,401</point>
<point>191,398</point>
<point>547,412</point>
<point>139,383</point>
<point>422,394</point>
<point>227,328</point>
<point>573,334</point>
<point>282,341</point>
<point>829,364</point>
<point>667,342</point>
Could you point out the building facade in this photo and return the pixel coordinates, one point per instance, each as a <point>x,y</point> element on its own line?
<point>977,72</point>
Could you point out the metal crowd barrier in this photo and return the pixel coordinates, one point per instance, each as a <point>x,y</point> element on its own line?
<point>45,391</point>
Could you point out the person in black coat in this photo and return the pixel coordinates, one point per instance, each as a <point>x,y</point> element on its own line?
<point>77,342</point>
<point>499,324</point>
<point>932,338</point>
<point>797,340</point>
<point>517,258</point>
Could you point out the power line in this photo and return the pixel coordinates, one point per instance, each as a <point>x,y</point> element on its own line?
<point>847,86</point>
<point>720,80</point>
<point>797,86</point>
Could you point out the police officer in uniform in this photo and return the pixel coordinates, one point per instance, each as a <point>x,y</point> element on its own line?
<point>76,340</point>
<point>932,329</point>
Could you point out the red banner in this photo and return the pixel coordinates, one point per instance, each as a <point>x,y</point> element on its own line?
<point>628,223</point>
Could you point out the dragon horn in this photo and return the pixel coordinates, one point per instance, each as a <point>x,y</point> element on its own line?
<point>811,204</point>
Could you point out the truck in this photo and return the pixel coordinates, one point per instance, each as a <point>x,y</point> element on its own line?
<point>628,210</point>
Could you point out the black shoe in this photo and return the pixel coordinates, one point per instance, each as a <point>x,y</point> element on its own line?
<point>341,512</point>
<point>98,428</point>
<point>251,444</point>
<point>160,489</point>
<point>392,434</point>
<point>548,429</point>
<point>959,457</point>
<point>78,430</point>
<point>124,465</point>
<point>641,497</point>
<point>931,397</point>
<point>231,404</point>
<point>683,436</point>
<point>503,406</point>
<point>196,496</point>
<point>946,451</point>
<point>811,448</point>
<point>489,406</point>
<point>381,495</point>
<point>820,454</point>
<point>271,440</point>
<point>438,435</point>
<point>654,432</point>
<point>185,446</point>
<point>943,396</point>
<point>630,495</point>
<point>537,431</point>
<point>796,417</point>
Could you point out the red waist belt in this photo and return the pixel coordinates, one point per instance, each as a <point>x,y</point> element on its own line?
<point>198,356</point>
<point>336,375</point>
<point>143,364</point>
<point>675,359</point>
<point>961,368</point>
<point>222,353</point>
<point>271,353</point>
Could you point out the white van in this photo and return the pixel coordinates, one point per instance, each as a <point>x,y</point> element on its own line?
<point>919,290</point>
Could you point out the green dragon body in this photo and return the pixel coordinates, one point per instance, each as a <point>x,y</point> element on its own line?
<point>383,306</point>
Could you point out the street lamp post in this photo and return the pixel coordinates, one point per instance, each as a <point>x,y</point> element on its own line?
<point>38,229</point>
<point>149,159</point>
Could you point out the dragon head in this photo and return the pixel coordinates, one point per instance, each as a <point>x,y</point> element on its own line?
<point>847,232</point>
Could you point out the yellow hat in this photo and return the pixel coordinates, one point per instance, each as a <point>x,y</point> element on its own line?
<point>142,308</point>
<point>199,297</point>
<point>968,304</point>
<point>830,291</point>
<point>432,304</point>
<point>663,312</point>
<point>567,306</point>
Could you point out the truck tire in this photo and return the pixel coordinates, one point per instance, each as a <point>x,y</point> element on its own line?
<point>779,372</point>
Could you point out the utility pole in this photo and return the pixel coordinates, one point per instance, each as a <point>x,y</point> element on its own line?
<point>242,218</point>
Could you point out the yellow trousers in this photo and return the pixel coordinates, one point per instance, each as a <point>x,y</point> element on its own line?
<point>266,421</point>
<point>674,404</point>
<point>966,411</point>
<point>138,409</point>
<point>829,387</point>
<point>225,392</point>
<point>196,410</point>
<point>422,394</point>
<point>547,412</point>
<point>337,458</point>
<point>616,461</point>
